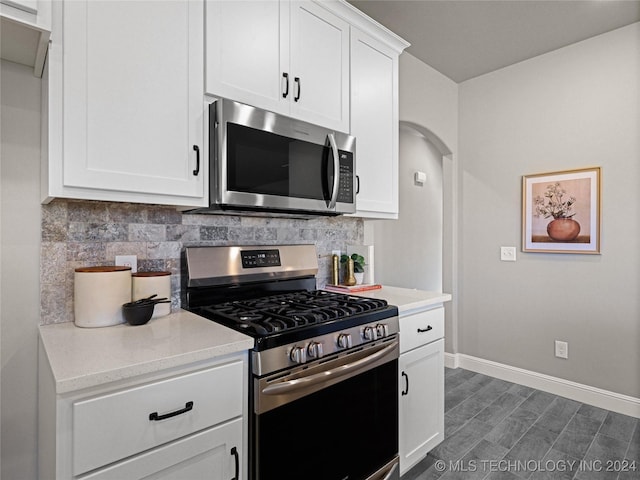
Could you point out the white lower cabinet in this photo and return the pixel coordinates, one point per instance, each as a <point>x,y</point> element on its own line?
<point>421,377</point>
<point>210,454</point>
<point>186,424</point>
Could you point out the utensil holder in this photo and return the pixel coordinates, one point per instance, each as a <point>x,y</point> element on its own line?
<point>99,293</point>
<point>144,284</point>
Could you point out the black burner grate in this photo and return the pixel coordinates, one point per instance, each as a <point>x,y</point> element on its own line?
<point>286,312</point>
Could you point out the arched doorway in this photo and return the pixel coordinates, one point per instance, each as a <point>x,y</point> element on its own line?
<point>419,250</point>
<point>409,251</point>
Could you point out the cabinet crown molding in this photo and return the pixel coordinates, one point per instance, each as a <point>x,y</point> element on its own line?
<point>363,22</point>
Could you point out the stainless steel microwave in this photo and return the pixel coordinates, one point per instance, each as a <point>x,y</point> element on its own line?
<point>265,162</point>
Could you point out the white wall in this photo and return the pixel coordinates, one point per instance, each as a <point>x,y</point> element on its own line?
<point>417,232</point>
<point>429,101</point>
<point>575,107</point>
<point>19,268</point>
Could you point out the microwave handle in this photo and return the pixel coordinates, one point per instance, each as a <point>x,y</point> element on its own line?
<point>336,170</point>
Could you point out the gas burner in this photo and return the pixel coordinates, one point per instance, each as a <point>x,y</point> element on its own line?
<point>271,315</point>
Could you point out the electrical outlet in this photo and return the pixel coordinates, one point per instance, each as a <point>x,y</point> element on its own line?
<point>128,261</point>
<point>508,254</point>
<point>562,349</point>
<point>335,252</point>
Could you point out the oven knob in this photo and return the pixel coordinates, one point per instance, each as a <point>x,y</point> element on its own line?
<point>315,350</point>
<point>345,341</point>
<point>382,330</point>
<point>370,333</point>
<point>298,355</point>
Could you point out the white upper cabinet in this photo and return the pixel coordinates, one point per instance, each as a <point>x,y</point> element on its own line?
<point>287,57</point>
<point>244,50</point>
<point>26,28</point>
<point>319,64</point>
<point>126,99</point>
<point>374,123</point>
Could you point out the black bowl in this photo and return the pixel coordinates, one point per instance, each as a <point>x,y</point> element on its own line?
<point>138,313</point>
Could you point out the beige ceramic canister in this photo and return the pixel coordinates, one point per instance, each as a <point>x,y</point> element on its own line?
<point>99,293</point>
<point>145,284</point>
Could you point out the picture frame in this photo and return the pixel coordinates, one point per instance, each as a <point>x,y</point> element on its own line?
<point>561,211</point>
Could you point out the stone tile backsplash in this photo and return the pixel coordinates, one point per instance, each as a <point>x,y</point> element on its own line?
<point>86,233</point>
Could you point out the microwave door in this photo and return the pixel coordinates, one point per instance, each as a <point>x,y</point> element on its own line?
<point>336,172</point>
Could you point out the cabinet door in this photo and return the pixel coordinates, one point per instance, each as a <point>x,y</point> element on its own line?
<point>132,99</point>
<point>107,428</point>
<point>30,6</point>
<point>374,123</point>
<point>247,52</point>
<point>421,402</point>
<point>319,64</point>
<point>214,454</point>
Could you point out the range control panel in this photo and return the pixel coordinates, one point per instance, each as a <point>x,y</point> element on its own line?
<point>260,258</point>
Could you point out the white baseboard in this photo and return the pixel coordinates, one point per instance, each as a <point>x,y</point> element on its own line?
<point>451,360</point>
<point>613,401</point>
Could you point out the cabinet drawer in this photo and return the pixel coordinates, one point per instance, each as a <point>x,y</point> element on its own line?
<point>421,328</point>
<point>206,454</point>
<point>110,427</point>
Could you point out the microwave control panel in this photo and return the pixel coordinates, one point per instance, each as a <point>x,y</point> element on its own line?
<point>345,186</point>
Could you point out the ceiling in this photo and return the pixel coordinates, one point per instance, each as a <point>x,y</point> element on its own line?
<point>463,39</point>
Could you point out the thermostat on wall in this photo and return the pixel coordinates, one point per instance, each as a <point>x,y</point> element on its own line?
<point>419,178</point>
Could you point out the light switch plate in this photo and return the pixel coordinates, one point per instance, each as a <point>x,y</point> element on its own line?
<point>508,254</point>
<point>562,349</point>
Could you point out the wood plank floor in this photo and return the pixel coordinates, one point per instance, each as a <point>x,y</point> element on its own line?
<point>497,430</point>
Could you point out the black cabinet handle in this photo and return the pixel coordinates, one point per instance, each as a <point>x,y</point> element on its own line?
<point>406,389</point>
<point>197,170</point>
<point>154,417</point>
<point>234,452</point>
<point>357,184</point>
<point>297,97</point>
<point>423,330</point>
<point>285,75</point>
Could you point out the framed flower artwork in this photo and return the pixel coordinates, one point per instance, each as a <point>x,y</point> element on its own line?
<point>561,212</point>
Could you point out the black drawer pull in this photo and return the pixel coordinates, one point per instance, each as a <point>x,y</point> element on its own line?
<point>197,170</point>
<point>154,417</point>
<point>297,81</point>
<point>423,330</point>
<point>406,390</point>
<point>234,452</point>
<point>285,76</point>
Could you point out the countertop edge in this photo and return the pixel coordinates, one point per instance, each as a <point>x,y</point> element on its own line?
<point>177,331</point>
<point>424,304</point>
<point>408,300</point>
<point>81,358</point>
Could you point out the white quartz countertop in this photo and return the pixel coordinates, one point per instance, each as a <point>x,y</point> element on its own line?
<point>86,357</point>
<point>407,300</point>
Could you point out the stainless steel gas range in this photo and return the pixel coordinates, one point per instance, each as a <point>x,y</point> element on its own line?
<point>323,393</point>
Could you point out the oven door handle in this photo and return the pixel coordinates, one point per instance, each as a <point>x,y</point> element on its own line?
<point>387,472</point>
<point>323,377</point>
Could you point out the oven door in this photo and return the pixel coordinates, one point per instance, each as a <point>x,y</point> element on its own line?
<point>266,161</point>
<point>336,420</point>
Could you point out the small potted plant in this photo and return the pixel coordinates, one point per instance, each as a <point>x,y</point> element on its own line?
<point>358,265</point>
